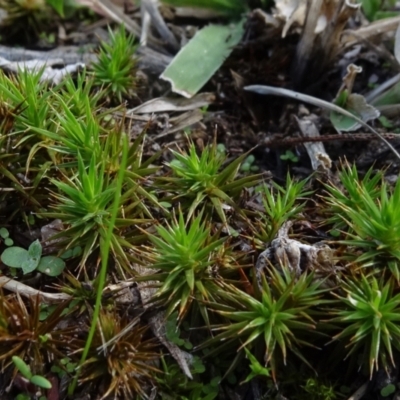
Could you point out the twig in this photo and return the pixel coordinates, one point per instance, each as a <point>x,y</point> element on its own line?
<point>27,291</point>
<point>270,90</point>
<point>359,393</point>
<point>280,140</point>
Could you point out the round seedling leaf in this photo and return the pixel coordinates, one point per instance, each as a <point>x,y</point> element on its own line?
<point>14,256</point>
<point>8,242</point>
<point>51,265</point>
<point>388,390</point>
<point>35,251</point>
<point>29,265</point>
<point>4,233</point>
<point>76,251</point>
<point>40,381</point>
<point>22,367</point>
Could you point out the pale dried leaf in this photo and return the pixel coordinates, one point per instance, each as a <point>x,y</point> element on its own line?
<point>163,104</point>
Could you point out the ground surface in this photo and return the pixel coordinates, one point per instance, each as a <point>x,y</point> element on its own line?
<point>265,126</point>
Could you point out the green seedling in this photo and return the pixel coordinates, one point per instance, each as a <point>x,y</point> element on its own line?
<point>5,235</point>
<point>25,371</point>
<point>116,65</point>
<point>257,369</point>
<point>183,253</point>
<point>31,260</point>
<point>372,216</point>
<point>281,203</point>
<point>370,316</point>
<point>173,332</point>
<point>280,316</point>
<point>388,390</point>
<point>173,384</point>
<point>289,156</point>
<point>248,164</point>
<point>67,366</point>
<point>203,179</point>
<point>319,391</point>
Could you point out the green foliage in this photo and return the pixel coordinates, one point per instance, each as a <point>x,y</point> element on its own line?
<point>289,155</point>
<point>173,332</point>
<point>5,235</point>
<point>116,65</point>
<point>279,317</point>
<point>256,368</point>
<point>84,203</point>
<point>352,195</point>
<point>280,206</point>
<point>67,366</point>
<point>370,314</point>
<point>372,214</point>
<point>375,9</point>
<point>200,179</point>
<point>388,390</point>
<point>248,164</point>
<point>25,371</point>
<point>173,384</point>
<point>31,260</point>
<point>317,390</point>
<point>64,8</point>
<point>184,253</point>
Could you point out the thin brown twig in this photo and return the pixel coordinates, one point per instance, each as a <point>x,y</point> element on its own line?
<point>280,140</point>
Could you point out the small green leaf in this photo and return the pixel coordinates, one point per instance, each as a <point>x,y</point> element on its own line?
<point>35,251</point>
<point>76,251</point>
<point>187,345</point>
<point>8,242</point>
<point>22,367</point>
<point>14,256</point>
<point>245,167</point>
<point>29,265</point>
<point>40,381</point>
<point>4,233</point>
<point>51,265</point>
<point>23,396</point>
<point>388,390</point>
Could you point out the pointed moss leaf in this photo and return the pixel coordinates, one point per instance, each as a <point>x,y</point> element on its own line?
<point>35,251</point>
<point>357,105</point>
<point>14,257</point>
<point>40,381</point>
<point>22,367</point>
<point>197,62</point>
<point>4,233</point>
<point>29,265</point>
<point>51,265</point>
